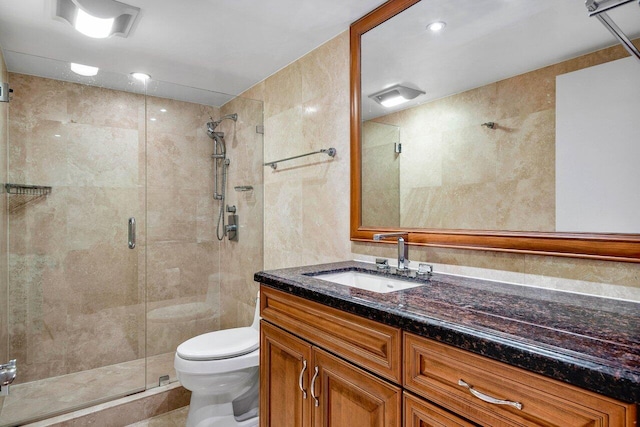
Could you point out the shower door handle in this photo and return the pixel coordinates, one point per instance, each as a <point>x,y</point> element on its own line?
<point>132,233</point>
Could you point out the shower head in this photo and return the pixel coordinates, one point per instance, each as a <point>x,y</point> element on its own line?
<point>213,124</point>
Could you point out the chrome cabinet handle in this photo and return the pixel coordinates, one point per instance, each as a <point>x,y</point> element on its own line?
<point>489,399</point>
<point>313,388</point>
<point>132,233</point>
<point>304,368</point>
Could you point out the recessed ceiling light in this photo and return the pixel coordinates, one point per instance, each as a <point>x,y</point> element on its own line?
<point>141,76</point>
<point>57,135</point>
<point>84,70</point>
<point>436,26</point>
<point>153,119</point>
<point>163,110</point>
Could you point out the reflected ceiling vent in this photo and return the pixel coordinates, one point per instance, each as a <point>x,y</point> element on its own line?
<point>97,18</point>
<point>395,95</point>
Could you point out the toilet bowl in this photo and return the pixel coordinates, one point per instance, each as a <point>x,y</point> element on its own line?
<point>221,370</point>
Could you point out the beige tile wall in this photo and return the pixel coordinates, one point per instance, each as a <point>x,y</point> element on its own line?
<point>4,125</point>
<point>307,202</point>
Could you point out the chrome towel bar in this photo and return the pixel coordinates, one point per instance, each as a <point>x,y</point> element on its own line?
<point>329,151</point>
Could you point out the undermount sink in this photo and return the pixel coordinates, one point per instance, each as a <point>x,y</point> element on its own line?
<point>368,282</point>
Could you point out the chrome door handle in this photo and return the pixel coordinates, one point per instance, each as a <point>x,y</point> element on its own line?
<point>304,368</point>
<point>489,399</point>
<point>132,233</point>
<point>8,373</point>
<point>313,388</point>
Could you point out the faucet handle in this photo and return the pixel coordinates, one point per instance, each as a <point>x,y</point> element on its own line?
<point>382,264</point>
<point>424,269</point>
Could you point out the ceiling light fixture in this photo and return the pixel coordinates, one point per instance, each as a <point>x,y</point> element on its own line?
<point>97,18</point>
<point>141,76</point>
<point>84,70</point>
<point>436,26</point>
<point>395,95</point>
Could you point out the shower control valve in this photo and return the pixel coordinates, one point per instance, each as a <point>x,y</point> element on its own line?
<point>231,209</point>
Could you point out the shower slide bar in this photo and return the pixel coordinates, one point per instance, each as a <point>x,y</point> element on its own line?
<point>331,152</point>
<point>599,9</point>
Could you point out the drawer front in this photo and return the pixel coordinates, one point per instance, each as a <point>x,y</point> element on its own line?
<point>420,413</point>
<point>439,372</point>
<point>366,343</point>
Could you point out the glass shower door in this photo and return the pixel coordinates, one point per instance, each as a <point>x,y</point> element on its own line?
<point>76,286</point>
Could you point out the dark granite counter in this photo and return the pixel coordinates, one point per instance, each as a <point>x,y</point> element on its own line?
<point>590,342</point>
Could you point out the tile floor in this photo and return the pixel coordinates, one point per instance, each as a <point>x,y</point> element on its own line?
<point>176,418</point>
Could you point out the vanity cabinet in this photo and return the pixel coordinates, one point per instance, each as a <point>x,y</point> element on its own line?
<point>303,384</point>
<point>465,383</point>
<point>322,367</point>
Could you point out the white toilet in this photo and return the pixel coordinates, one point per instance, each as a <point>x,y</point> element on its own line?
<point>221,370</point>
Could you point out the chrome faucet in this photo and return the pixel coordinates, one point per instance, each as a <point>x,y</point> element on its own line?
<point>403,248</point>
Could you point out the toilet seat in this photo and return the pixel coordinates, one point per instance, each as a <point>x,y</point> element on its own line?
<point>219,345</point>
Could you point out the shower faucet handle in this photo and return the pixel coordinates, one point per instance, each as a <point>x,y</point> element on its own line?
<point>231,209</point>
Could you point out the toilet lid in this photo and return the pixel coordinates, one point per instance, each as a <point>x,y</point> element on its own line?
<point>220,344</point>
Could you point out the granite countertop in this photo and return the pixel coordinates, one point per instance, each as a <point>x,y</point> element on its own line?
<point>590,342</point>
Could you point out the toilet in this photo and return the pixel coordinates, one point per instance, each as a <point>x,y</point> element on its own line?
<point>221,370</point>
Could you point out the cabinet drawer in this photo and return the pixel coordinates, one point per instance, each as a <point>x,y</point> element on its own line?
<point>367,343</point>
<point>434,371</point>
<point>419,413</point>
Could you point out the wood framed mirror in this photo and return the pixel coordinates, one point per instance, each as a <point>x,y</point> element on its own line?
<point>577,211</point>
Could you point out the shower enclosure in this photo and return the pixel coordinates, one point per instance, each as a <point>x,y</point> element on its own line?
<point>88,315</point>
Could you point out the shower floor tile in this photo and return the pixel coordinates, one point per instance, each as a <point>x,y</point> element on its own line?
<point>52,396</point>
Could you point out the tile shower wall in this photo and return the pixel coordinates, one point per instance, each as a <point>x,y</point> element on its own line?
<point>77,295</point>
<point>183,276</point>
<point>241,259</point>
<point>307,202</point>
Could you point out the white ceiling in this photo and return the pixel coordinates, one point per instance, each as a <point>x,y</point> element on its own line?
<point>219,45</point>
<point>484,41</point>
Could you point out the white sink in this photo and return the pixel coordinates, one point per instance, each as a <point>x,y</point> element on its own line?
<point>368,282</point>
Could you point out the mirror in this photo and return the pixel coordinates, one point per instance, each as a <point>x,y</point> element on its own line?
<point>519,134</point>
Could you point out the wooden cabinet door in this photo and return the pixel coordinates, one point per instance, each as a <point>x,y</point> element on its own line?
<point>285,400</point>
<point>351,397</point>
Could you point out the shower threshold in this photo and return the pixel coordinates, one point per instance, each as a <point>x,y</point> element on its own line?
<point>49,397</point>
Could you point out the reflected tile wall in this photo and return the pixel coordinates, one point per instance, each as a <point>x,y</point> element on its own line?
<point>381,166</point>
<point>307,227</point>
<point>4,126</point>
<point>446,153</point>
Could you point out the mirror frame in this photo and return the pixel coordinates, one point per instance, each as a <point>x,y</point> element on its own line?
<point>611,247</point>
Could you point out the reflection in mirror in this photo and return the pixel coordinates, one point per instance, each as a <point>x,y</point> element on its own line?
<point>528,124</point>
